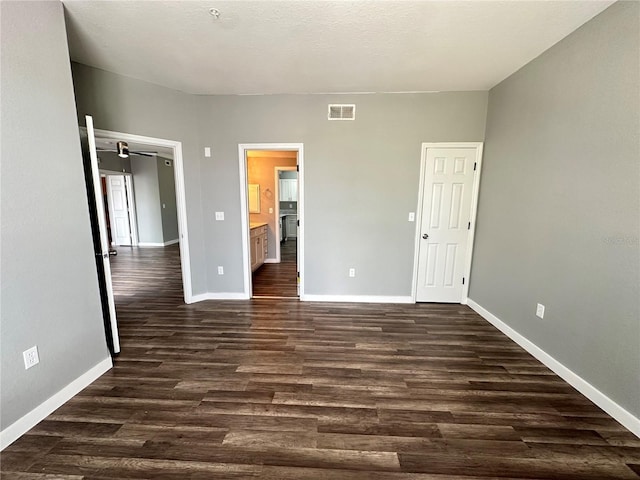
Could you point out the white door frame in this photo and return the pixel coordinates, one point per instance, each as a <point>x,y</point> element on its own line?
<point>277,210</point>
<point>474,209</point>
<point>244,208</point>
<point>185,258</point>
<point>131,202</point>
<point>133,215</point>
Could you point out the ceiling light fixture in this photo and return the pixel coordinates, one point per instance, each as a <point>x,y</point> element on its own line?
<point>123,149</point>
<point>214,12</point>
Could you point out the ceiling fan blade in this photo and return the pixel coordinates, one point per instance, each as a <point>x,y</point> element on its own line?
<point>143,154</point>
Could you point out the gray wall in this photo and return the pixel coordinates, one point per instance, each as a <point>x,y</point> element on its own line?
<point>112,162</point>
<point>559,203</point>
<point>168,207</point>
<point>49,286</point>
<point>132,106</point>
<point>361,179</point>
<point>147,197</point>
<point>155,197</point>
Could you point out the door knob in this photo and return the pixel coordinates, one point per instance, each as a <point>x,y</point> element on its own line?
<point>425,236</point>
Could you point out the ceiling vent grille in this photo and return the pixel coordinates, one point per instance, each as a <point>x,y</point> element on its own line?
<point>342,112</point>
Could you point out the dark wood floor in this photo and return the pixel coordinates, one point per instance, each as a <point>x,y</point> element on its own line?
<point>278,279</point>
<point>284,390</point>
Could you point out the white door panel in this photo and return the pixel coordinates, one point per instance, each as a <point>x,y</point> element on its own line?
<point>102,226</point>
<point>444,226</point>
<point>118,210</point>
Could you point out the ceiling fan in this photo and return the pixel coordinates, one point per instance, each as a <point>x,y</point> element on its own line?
<point>122,149</point>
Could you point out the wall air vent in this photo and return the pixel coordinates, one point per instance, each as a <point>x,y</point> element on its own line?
<point>342,112</point>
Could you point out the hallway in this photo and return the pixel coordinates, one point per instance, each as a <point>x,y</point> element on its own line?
<point>278,279</point>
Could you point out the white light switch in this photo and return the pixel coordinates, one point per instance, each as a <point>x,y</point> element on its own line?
<point>412,216</point>
<point>270,210</point>
<point>207,151</point>
<point>540,310</point>
<point>219,215</point>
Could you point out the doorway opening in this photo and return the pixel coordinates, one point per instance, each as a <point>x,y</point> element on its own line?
<point>136,200</point>
<point>272,219</point>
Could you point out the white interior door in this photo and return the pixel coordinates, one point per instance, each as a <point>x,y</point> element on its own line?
<point>118,210</point>
<point>104,240</point>
<point>445,223</point>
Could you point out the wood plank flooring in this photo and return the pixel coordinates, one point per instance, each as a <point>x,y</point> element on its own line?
<point>278,279</point>
<point>283,390</point>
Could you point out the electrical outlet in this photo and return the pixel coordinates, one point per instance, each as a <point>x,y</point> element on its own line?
<point>219,216</point>
<point>352,272</point>
<point>220,270</point>
<point>30,357</point>
<point>540,310</point>
<point>412,216</point>
<point>270,210</point>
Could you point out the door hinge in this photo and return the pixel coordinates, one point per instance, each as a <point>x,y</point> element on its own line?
<point>463,280</point>
<point>469,226</point>
<point>298,223</point>
<point>475,165</point>
<point>298,274</point>
<point>297,168</point>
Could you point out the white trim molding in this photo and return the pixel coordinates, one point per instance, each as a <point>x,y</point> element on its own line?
<point>357,298</point>
<point>219,296</point>
<point>624,417</point>
<point>158,244</point>
<point>42,411</point>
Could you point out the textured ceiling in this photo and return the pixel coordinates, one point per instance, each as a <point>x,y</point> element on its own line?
<point>266,47</point>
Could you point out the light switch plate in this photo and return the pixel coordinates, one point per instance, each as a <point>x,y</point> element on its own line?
<point>540,310</point>
<point>219,215</point>
<point>412,216</point>
<point>207,151</point>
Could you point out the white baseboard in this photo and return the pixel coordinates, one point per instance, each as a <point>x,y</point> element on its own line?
<point>42,411</point>
<point>271,260</point>
<point>158,244</point>
<point>357,298</point>
<point>219,296</point>
<point>627,419</point>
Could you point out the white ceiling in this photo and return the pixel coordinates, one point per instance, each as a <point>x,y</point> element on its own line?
<point>267,47</point>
